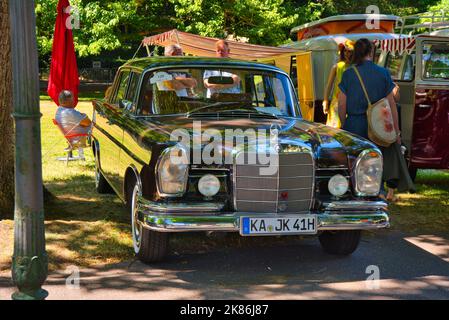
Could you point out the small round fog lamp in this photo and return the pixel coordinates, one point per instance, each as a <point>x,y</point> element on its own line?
<point>338,185</point>
<point>209,185</point>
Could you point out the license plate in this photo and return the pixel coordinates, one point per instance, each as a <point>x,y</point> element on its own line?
<point>298,224</point>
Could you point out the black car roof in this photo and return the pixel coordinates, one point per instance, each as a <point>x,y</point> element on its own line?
<point>154,62</point>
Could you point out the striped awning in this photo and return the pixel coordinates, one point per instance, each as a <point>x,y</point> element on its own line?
<point>196,45</point>
<point>400,45</point>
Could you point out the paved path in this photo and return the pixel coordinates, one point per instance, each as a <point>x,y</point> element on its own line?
<point>411,267</point>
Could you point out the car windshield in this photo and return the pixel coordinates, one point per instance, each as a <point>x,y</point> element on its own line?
<point>217,90</point>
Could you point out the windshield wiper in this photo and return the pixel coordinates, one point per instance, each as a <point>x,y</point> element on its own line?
<point>216,104</point>
<point>241,109</point>
<point>248,111</point>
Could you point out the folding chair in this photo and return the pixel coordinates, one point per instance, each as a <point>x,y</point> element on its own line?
<point>80,144</point>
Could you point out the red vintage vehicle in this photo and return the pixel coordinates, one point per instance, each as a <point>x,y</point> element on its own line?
<point>420,66</point>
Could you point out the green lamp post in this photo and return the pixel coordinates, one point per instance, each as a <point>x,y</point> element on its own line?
<point>29,262</point>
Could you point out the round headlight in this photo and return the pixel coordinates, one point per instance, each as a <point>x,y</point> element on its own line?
<point>172,172</point>
<point>338,185</point>
<point>209,185</point>
<point>368,173</point>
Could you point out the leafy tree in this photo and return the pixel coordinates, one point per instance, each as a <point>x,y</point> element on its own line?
<point>441,5</point>
<point>395,7</point>
<point>109,25</point>
<point>104,25</point>
<point>101,24</point>
<point>263,22</point>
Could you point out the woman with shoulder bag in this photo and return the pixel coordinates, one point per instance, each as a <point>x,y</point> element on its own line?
<point>367,91</point>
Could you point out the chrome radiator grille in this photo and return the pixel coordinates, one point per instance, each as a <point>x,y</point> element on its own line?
<point>288,190</point>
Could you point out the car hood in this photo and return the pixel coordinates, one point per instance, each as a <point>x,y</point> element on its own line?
<point>332,148</point>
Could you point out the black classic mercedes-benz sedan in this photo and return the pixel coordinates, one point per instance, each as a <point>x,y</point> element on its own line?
<point>203,144</point>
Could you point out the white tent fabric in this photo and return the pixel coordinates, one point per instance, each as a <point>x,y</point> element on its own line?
<point>205,47</point>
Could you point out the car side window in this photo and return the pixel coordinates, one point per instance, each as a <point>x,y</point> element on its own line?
<point>129,101</point>
<point>436,61</point>
<point>409,68</point>
<point>122,85</point>
<point>145,105</point>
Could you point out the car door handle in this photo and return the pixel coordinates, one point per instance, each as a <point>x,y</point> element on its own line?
<point>425,106</point>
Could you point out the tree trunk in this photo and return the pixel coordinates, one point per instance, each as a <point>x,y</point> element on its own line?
<point>6,121</point>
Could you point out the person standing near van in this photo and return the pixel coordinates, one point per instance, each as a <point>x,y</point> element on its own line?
<point>346,51</point>
<point>353,107</point>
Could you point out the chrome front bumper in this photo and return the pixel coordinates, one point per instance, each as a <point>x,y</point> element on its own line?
<point>341,215</point>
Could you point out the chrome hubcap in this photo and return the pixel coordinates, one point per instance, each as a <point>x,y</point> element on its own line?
<point>97,172</point>
<point>136,226</point>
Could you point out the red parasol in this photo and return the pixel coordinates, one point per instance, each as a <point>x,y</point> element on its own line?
<point>63,68</point>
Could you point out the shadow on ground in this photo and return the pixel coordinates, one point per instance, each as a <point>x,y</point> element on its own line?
<point>290,271</point>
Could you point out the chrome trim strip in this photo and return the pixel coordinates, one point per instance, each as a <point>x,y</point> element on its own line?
<point>284,165</point>
<point>149,207</point>
<point>261,201</point>
<point>199,175</point>
<point>208,169</point>
<point>429,85</point>
<point>272,189</point>
<point>269,177</point>
<point>163,208</point>
<point>356,205</point>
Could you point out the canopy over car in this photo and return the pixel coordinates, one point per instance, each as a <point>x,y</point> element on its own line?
<point>345,24</point>
<point>205,46</point>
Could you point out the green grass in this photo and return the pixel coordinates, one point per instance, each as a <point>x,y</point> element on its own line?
<point>84,228</point>
<point>428,208</point>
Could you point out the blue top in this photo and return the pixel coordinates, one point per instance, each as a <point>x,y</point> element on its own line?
<point>379,85</point>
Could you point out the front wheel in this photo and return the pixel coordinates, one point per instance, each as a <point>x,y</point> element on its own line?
<point>149,246</point>
<point>340,242</point>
